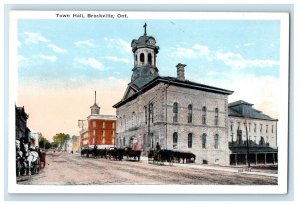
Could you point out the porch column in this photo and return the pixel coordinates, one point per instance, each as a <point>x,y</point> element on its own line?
<point>235,156</point>
<point>255,158</point>
<point>265,158</point>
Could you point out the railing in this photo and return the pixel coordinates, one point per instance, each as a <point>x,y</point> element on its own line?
<point>243,143</point>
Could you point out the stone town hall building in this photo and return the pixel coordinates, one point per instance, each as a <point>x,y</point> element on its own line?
<point>176,113</point>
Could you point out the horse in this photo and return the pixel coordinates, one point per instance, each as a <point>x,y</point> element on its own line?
<point>32,159</point>
<point>130,153</point>
<point>20,162</point>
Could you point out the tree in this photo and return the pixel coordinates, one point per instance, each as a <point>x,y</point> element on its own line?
<point>43,142</point>
<point>60,138</point>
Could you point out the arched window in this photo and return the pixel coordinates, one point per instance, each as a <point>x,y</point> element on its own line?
<point>151,112</point>
<point>190,113</point>
<point>142,58</point>
<point>216,141</point>
<point>175,140</point>
<point>149,59</point>
<point>204,115</point>
<point>190,140</point>
<point>145,114</point>
<point>216,116</point>
<point>175,112</point>
<point>204,141</point>
<point>133,123</point>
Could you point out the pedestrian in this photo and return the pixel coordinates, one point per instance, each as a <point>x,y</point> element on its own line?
<point>157,146</point>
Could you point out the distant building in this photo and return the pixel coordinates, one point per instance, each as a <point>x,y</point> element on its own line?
<point>75,144</point>
<point>34,138</point>
<point>22,131</point>
<point>69,145</point>
<point>100,130</point>
<point>245,122</point>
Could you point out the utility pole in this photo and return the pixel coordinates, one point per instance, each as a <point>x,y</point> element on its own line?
<point>81,125</point>
<point>247,143</point>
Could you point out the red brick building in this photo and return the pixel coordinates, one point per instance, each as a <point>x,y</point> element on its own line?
<point>98,129</point>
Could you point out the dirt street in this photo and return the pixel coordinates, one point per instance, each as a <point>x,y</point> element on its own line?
<point>68,169</point>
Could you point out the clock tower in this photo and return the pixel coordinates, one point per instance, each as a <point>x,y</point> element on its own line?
<point>144,51</point>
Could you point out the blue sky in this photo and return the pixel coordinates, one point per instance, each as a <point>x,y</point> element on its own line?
<point>86,55</point>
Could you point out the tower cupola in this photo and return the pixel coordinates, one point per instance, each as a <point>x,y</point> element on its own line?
<point>95,109</point>
<point>144,51</point>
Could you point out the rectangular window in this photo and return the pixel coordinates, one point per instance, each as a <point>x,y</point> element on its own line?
<point>113,125</point>
<point>94,133</point>
<point>94,123</point>
<point>103,136</point>
<point>103,125</point>
<point>175,112</point>
<point>190,113</point>
<point>204,141</point>
<point>190,140</point>
<point>204,115</point>
<point>216,141</point>
<point>260,127</point>
<point>216,116</point>
<point>175,140</point>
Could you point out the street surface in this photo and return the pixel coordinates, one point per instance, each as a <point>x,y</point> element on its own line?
<point>72,169</point>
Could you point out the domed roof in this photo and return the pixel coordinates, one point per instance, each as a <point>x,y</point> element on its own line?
<point>144,41</point>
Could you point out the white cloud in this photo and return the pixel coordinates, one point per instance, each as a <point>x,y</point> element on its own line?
<point>272,45</point>
<point>248,44</point>
<point>47,58</point>
<point>88,43</point>
<point>23,61</point>
<point>195,51</point>
<point>262,91</point>
<point>117,59</point>
<point>91,62</point>
<point>56,49</point>
<point>123,45</point>
<point>35,38</point>
<point>238,61</point>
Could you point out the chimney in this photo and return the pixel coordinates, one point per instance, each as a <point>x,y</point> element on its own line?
<point>180,71</point>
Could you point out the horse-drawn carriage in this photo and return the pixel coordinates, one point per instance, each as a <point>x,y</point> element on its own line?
<point>28,160</point>
<point>112,153</point>
<point>170,156</point>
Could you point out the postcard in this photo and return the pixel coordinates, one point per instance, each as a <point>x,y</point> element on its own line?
<point>148,102</point>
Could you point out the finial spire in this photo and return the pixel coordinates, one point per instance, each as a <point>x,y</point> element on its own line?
<point>145,29</point>
<point>95,96</point>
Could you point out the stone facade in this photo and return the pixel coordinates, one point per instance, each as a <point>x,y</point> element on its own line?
<point>180,114</point>
<point>135,125</point>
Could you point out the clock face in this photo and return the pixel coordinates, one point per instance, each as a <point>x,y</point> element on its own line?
<point>151,41</point>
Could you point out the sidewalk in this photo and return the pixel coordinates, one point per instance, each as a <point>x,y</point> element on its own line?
<point>241,170</point>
